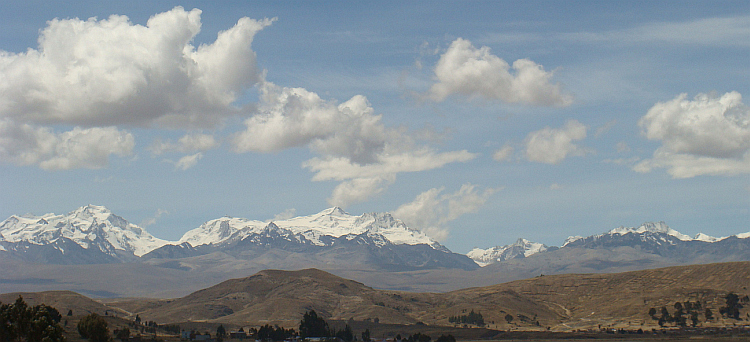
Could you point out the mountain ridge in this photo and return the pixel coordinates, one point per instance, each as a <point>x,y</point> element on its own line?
<point>651,235</point>
<point>93,234</point>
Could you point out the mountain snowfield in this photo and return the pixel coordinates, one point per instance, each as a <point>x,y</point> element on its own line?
<point>333,222</point>
<point>657,228</point>
<point>520,249</point>
<point>96,227</point>
<point>523,248</point>
<point>90,226</point>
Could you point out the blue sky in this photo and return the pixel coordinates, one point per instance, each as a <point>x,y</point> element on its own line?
<point>477,122</point>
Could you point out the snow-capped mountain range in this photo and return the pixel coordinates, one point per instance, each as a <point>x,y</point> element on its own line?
<point>520,249</point>
<point>318,229</point>
<point>94,234</point>
<point>654,234</point>
<point>90,227</point>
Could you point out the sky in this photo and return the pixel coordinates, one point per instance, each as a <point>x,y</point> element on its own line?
<point>477,122</point>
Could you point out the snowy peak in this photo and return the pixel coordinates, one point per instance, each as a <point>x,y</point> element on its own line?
<point>318,229</point>
<point>651,227</point>
<point>707,238</point>
<point>335,211</point>
<point>520,249</point>
<point>91,227</point>
<point>650,236</point>
<point>219,231</point>
<point>89,213</point>
<point>648,228</point>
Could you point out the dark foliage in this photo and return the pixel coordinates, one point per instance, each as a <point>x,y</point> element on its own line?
<point>346,334</point>
<point>221,332</point>
<point>471,318</point>
<point>733,306</point>
<point>446,338</point>
<point>19,322</point>
<point>313,326</point>
<point>94,328</point>
<point>269,333</point>
<point>418,337</point>
<point>122,334</point>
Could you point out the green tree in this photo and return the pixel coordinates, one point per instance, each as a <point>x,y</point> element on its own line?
<point>312,325</point>
<point>679,315</point>
<point>446,338</point>
<point>19,322</point>
<point>418,337</point>
<point>123,334</point>
<point>366,335</point>
<point>346,334</point>
<point>509,318</point>
<point>94,328</point>
<point>694,318</point>
<point>665,316</point>
<point>732,309</point>
<point>221,332</point>
<point>709,314</point>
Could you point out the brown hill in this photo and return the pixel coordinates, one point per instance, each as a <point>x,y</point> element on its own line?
<point>618,299</point>
<point>282,297</point>
<point>60,300</point>
<point>561,302</point>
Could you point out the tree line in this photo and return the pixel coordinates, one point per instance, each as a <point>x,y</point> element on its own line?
<point>474,318</point>
<point>684,311</point>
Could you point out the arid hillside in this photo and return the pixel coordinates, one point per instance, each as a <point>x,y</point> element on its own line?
<point>557,302</point>
<point>63,301</point>
<point>561,302</point>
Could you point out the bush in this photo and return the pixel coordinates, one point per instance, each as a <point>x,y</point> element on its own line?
<point>312,325</point>
<point>94,328</point>
<point>20,322</point>
<point>446,338</point>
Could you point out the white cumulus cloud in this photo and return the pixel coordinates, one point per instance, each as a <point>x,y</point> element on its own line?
<point>188,161</point>
<point>432,211</point>
<point>503,154</point>
<point>553,145</point>
<point>292,117</point>
<point>112,72</point>
<point>24,144</point>
<point>356,148</point>
<point>191,142</point>
<point>708,135</point>
<point>476,73</point>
